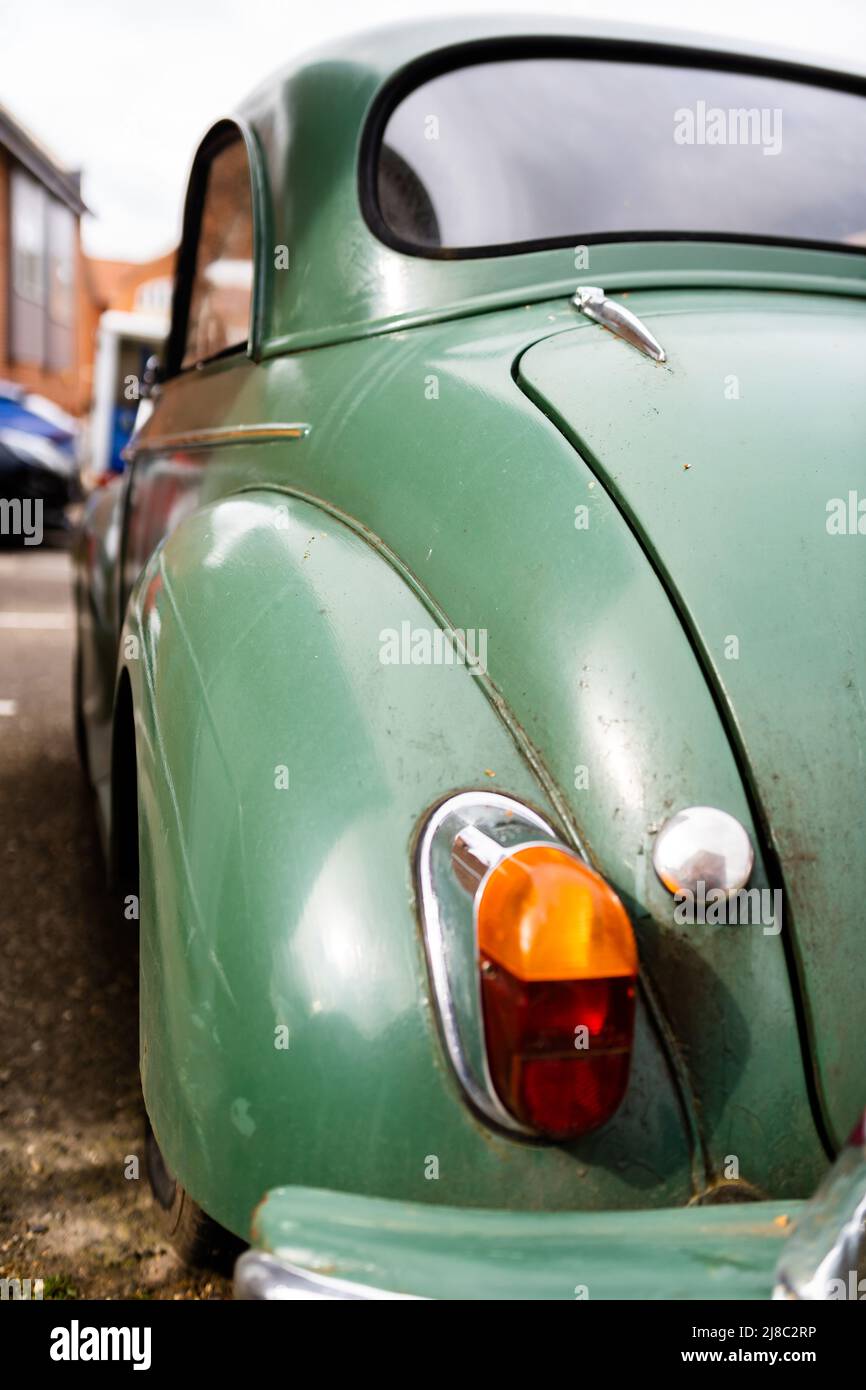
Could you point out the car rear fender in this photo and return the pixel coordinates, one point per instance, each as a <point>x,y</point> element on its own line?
<point>283,766</point>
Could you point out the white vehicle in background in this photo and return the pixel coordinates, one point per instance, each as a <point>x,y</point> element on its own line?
<point>125,344</point>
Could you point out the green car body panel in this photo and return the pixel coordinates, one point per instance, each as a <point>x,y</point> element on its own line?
<point>266,908</point>
<point>232,596</point>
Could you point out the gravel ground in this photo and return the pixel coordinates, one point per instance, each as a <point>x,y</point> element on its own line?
<point>71,1117</point>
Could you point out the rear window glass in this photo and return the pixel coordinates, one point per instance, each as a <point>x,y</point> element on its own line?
<point>528,151</point>
<point>219,311</point>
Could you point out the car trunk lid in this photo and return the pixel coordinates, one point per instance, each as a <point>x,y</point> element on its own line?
<point>737,463</point>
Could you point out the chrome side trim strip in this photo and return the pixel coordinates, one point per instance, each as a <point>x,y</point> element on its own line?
<point>259,1276</point>
<point>216,438</point>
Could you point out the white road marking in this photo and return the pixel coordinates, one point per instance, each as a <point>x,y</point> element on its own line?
<point>21,622</point>
<point>8,708</point>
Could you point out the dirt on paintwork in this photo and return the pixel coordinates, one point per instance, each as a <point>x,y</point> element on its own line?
<point>72,1211</point>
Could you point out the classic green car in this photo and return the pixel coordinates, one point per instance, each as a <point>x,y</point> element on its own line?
<point>471,674</point>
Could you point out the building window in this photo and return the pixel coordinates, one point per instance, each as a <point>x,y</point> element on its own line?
<point>154,297</point>
<point>42,300</point>
<point>28,236</point>
<point>61,286</point>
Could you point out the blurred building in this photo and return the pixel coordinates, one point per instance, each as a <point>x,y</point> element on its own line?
<point>41,281</point>
<point>119,295</point>
<point>52,296</point>
<point>134,288</point>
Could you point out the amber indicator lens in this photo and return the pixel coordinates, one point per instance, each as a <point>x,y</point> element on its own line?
<point>558,969</point>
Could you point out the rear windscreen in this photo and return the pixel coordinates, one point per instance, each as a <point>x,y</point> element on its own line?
<point>533,151</point>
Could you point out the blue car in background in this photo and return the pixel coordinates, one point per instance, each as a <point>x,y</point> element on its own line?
<point>38,460</point>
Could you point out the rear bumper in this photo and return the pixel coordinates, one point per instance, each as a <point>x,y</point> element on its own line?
<point>317,1244</point>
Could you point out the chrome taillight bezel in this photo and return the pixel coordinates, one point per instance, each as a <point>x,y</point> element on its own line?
<point>448,922</point>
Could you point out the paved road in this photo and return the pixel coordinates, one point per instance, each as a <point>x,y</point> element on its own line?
<point>70,1107</point>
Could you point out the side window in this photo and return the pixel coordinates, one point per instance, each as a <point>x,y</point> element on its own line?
<point>221,293</point>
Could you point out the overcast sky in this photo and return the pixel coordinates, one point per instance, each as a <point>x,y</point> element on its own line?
<point>124,91</point>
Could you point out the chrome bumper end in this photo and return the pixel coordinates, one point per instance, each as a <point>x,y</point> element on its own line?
<point>262,1276</point>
